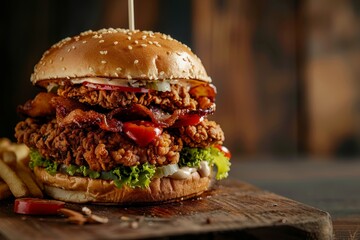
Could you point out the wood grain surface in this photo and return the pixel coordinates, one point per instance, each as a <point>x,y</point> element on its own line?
<point>232,210</point>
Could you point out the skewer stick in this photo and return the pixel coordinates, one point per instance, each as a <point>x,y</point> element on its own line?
<point>131,15</point>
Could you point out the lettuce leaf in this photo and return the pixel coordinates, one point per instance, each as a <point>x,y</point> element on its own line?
<point>191,157</point>
<point>221,162</point>
<point>136,176</point>
<point>36,160</point>
<point>141,175</point>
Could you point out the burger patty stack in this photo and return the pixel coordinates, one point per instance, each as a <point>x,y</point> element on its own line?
<point>124,119</point>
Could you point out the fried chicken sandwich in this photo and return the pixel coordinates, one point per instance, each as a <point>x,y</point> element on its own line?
<point>122,119</point>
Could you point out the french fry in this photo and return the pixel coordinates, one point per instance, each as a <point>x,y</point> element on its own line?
<point>4,142</point>
<point>9,158</point>
<point>17,187</point>
<point>21,151</point>
<point>25,175</point>
<point>17,177</point>
<point>4,190</point>
<point>24,164</point>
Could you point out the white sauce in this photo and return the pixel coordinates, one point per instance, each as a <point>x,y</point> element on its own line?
<point>119,82</point>
<point>185,172</point>
<point>107,81</point>
<point>204,169</point>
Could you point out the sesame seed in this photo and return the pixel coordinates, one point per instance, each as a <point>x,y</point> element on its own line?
<point>143,45</point>
<point>162,73</point>
<point>136,41</point>
<point>130,47</point>
<point>73,47</point>
<point>158,45</point>
<point>61,58</point>
<point>150,42</point>
<point>69,50</point>
<point>103,52</point>
<point>101,41</point>
<point>86,33</point>
<point>116,42</point>
<point>118,69</point>
<point>50,61</point>
<point>128,77</point>
<point>103,61</point>
<point>84,41</point>
<point>91,69</point>
<point>143,75</point>
<point>63,68</point>
<point>136,61</point>
<point>128,38</point>
<point>143,37</point>
<point>116,75</point>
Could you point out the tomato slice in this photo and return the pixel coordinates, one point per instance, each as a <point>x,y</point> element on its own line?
<point>37,206</point>
<point>187,120</point>
<point>224,150</point>
<point>142,132</point>
<point>115,88</point>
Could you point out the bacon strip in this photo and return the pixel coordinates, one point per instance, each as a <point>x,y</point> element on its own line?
<point>64,106</point>
<point>72,112</point>
<point>138,111</point>
<point>83,118</point>
<point>204,90</point>
<point>157,115</point>
<point>39,106</point>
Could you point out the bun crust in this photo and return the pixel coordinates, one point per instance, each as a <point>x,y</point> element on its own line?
<point>83,189</point>
<point>122,54</point>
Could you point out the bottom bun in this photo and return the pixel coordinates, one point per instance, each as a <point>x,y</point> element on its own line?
<point>83,189</point>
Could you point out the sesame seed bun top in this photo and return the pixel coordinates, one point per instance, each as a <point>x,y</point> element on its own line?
<point>121,54</point>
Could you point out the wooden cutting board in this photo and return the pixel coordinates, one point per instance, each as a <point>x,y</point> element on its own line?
<point>233,210</point>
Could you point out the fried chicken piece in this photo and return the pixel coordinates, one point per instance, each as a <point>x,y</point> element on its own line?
<point>204,134</point>
<point>177,98</point>
<point>100,150</point>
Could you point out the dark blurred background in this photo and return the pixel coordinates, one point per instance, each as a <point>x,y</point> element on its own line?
<point>287,71</point>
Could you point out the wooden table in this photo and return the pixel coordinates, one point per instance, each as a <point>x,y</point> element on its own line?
<point>236,209</point>
<point>330,185</point>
